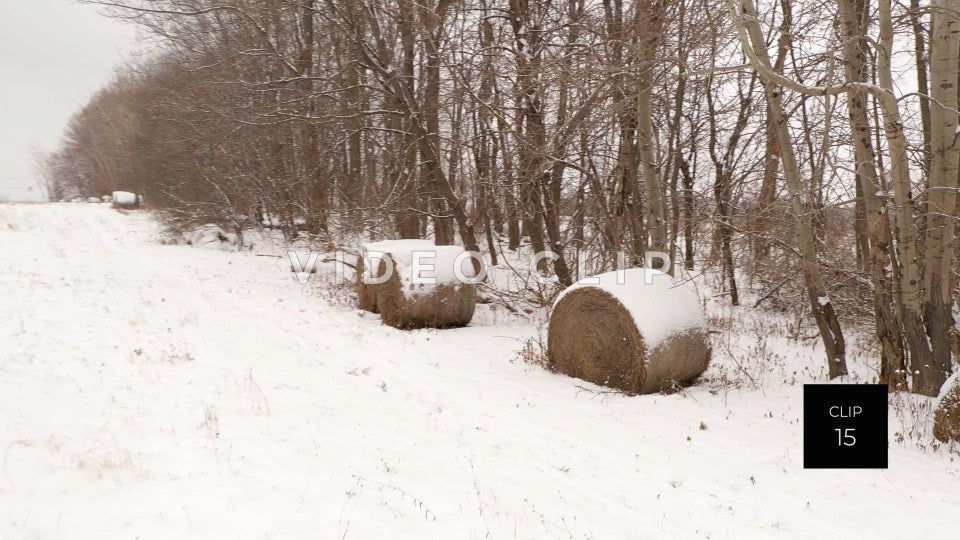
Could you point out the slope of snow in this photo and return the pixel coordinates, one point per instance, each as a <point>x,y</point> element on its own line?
<point>659,306</point>
<point>170,392</point>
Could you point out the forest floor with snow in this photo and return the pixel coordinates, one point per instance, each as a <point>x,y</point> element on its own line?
<point>166,391</point>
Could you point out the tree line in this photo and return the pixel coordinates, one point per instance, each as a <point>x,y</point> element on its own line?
<point>802,149</point>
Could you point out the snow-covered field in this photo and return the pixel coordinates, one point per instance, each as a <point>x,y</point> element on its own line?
<point>155,391</point>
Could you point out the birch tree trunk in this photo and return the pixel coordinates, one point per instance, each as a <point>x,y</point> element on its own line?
<point>852,31</point>
<point>828,323</point>
<point>941,193</point>
<point>923,85</point>
<point>910,301</point>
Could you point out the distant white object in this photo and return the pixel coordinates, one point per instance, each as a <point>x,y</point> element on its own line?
<point>93,199</point>
<point>106,198</point>
<point>76,200</point>
<point>125,199</point>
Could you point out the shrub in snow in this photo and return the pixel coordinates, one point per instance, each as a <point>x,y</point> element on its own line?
<point>640,334</point>
<point>422,288</point>
<point>106,198</point>
<point>946,416</point>
<point>125,199</point>
<point>93,199</point>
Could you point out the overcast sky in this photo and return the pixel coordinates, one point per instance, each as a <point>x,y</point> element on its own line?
<point>53,55</point>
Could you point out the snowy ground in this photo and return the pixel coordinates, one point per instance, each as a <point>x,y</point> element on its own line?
<point>160,391</point>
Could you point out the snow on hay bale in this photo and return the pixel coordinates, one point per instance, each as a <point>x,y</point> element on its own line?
<point>632,335</point>
<point>428,294</point>
<point>125,199</point>
<point>946,415</point>
<point>367,292</point>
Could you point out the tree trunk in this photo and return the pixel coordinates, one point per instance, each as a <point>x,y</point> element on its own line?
<point>820,304</point>
<point>852,31</point>
<point>941,193</point>
<point>911,314</point>
<point>920,36</point>
<point>431,19</point>
<point>651,21</point>
<point>688,217</point>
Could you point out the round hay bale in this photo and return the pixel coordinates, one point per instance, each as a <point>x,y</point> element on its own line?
<point>946,415</point>
<point>405,303</point>
<point>125,199</point>
<point>635,336</point>
<point>443,307</point>
<point>366,298</point>
<point>367,292</point>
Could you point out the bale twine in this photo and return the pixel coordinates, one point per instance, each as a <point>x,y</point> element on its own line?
<point>367,292</point>
<point>405,304</point>
<point>637,337</point>
<point>946,415</point>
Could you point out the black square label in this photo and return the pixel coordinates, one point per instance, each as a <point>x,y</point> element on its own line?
<point>844,426</point>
